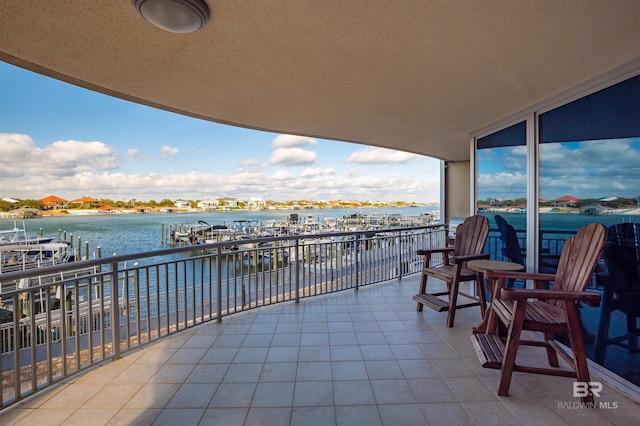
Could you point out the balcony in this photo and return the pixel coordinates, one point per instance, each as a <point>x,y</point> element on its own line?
<point>361,355</point>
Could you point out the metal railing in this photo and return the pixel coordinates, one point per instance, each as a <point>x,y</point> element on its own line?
<point>70,317</point>
<point>551,242</point>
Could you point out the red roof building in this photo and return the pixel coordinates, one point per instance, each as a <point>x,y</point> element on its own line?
<point>565,201</point>
<point>86,202</point>
<point>54,202</point>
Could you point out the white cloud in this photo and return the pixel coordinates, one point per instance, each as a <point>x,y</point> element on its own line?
<point>71,169</point>
<point>167,151</point>
<point>132,154</point>
<point>283,175</point>
<point>292,157</point>
<point>20,156</point>
<point>318,171</point>
<point>382,156</point>
<point>250,162</point>
<point>291,141</point>
<point>15,147</point>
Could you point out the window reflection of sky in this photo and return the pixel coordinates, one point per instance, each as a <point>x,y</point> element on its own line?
<point>502,173</point>
<point>590,169</point>
<point>587,169</point>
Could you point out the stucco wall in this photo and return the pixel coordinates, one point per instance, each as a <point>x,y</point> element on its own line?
<point>457,189</point>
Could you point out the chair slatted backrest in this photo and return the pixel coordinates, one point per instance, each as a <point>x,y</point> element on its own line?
<point>511,246</point>
<point>471,236</point>
<point>627,235</point>
<point>579,258</point>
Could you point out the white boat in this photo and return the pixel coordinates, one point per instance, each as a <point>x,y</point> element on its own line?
<point>15,257</point>
<point>19,236</point>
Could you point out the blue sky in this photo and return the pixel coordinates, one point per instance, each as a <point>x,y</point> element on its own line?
<point>58,139</point>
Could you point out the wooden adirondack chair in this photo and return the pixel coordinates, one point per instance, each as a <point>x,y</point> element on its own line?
<point>550,312</point>
<point>469,242</point>
<point>620,280</point>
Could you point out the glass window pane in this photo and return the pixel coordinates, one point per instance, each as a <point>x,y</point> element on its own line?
<point>590,172</point>
<point>502,190</point>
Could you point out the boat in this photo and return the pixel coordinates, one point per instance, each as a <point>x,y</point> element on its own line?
<point>18,236</point>
<point>16,257</point>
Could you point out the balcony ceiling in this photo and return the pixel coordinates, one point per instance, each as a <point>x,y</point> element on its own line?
<point>417,76</point>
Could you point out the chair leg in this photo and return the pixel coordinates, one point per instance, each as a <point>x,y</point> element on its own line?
<point>603,332</point>
<point>511,348</point>
<point>577,348</point>
<point>453,300</point>
<point>423,289</point>
<point>423,281</point>
<point>552,356</point>
<point>632,333</point>
<point>482,296</point>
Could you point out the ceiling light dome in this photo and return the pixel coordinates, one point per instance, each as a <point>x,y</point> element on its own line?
<point>176,16</point>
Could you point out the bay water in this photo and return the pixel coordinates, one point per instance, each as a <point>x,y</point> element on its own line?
<point>135,233</point>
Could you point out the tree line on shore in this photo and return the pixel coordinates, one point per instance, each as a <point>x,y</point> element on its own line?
<point>6,206</point>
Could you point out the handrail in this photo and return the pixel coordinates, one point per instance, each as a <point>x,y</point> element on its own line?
<point>108,307</point>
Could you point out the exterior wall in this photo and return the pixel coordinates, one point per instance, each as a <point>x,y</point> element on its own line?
<point>457,191</point>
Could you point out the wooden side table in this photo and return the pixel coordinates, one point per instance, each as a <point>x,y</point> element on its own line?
<point>480,266</point>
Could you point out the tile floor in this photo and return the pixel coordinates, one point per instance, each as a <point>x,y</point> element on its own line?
<point>352,358</point>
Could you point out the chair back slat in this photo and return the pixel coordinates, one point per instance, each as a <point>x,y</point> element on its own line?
<point>471,236</point>
<point>579,258</point>
<point>626,235</point>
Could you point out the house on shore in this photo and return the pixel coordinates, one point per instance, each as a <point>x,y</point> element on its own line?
<point>53,202</point>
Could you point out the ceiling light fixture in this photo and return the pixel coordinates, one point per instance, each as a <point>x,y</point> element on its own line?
<point>176,16</point>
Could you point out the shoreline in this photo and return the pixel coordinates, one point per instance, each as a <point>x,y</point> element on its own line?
<point>118,212</point>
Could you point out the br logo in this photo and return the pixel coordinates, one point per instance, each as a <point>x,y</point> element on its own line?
<point>581,389</point>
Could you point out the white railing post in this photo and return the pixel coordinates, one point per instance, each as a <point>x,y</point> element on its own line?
<point>115,311</point>
<point>297,268</point>
<point>399,255</point>
<point>219,282</point>
<point>357,260</point>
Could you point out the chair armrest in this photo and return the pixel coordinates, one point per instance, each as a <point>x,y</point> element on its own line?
<point>423,252</point>
<point>459,259</point>
<point>592,298</point>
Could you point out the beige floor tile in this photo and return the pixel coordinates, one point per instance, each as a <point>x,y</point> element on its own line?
<point>268,416</point>
<point>431,390</point>
<point>224,416</point>
<point>315,416</point>
<point>353,392</point>
<point>113,396</point>
<point>309,394</point>
<point>273,394</point>
<point>401,414</point>
<point>446,414</point>
<point>137,373</point>
<point>392,392</point>
<point>193,395</point>
<point>179,416</point>
<point>73,396</point>
<point>156,355</point>
<point>91,416</point>
<point>46,416</point>
<point>490,412</point>
<point>152,395</point>
<point>134,417</point>
<point>233,395</point>
<point>172,373</point>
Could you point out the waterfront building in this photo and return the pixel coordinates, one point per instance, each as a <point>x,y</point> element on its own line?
<point>54,202</point>
<point>208,205</point>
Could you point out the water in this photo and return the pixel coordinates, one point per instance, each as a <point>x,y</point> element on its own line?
<point>134,233</point>
<point>560,221</point>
